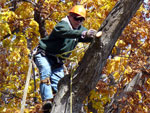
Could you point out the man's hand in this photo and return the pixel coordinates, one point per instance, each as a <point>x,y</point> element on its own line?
<point>91,33</point>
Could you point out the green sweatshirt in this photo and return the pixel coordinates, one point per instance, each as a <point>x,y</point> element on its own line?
<point>62,39</point>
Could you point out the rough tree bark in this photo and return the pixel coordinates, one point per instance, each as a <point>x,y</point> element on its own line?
<point>39,19</point>
<point>89,71</point>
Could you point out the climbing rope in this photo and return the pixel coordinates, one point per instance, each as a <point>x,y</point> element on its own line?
<point>71,91</point>
<point>26,87</point>
<point>72,72</point>
<point>31,67</point>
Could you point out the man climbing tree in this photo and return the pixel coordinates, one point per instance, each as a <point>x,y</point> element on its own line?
<point>37,18</point>
<point>55,48</point>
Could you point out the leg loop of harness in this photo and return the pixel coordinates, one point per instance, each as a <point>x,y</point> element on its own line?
<point>46,81</point>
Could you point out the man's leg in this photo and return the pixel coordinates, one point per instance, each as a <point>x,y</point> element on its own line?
<point>45,85</point>
<point>56,75</point>
<point>45,72</point>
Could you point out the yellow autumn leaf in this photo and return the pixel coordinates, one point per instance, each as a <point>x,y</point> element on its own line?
<point>33,23</point>
<point>116,75</point>
<point>6,42</point>
<point>105,99</point>
<point>120,43</point>
<point>24,10</point>
<point>145,109</point>
<point>83,1</point>
<point>148,81</point>
<point>114,51</point>
<point>117,58</point>
<point>14,56</point>
<point>21,23</point>
<point>5,29</point>
<point>4,110</point>
<point>139,95</point>
<point>110,67</point>
<point>99,15</point>
<point>128,70</point>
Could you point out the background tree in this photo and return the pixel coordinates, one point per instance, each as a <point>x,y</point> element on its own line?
<point>23,22</point>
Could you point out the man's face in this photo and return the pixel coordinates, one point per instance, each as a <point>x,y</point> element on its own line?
<point>76,20</point>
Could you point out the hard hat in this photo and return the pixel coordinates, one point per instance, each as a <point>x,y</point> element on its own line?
<point>79,9</point>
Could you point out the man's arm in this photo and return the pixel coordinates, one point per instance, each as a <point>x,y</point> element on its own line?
<point>63,30</point>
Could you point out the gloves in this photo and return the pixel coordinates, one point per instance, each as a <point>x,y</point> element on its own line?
<point>90,33</point>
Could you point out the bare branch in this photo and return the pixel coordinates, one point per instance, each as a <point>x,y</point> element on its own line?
<point>30,1</point>
<point>15,30</point>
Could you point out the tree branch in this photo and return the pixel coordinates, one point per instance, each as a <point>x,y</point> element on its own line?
<point>30,1</point>
<point>15,30</point>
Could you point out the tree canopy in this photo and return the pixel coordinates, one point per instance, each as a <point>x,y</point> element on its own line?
<point>20,33</point>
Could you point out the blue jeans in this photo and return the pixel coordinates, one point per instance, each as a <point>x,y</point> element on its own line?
<point>45,68</point>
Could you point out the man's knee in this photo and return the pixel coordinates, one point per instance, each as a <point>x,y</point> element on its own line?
<point>46,81</point>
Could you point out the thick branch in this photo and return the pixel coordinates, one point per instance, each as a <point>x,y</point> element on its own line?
<point>40,20</point>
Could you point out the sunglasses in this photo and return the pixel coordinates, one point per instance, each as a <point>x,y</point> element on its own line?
<point>78,19</point>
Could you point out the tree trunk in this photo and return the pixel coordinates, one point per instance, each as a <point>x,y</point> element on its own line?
<point>89,71</point>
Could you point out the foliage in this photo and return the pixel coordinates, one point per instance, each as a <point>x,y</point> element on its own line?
<point>19,35</point>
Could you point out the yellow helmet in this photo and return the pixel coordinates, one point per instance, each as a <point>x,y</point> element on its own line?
<point>79,9</point>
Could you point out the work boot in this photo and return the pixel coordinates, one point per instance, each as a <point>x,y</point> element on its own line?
<point>47,106</point>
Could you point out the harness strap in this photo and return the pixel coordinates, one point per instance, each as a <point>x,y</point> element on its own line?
<point>46,81</point>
